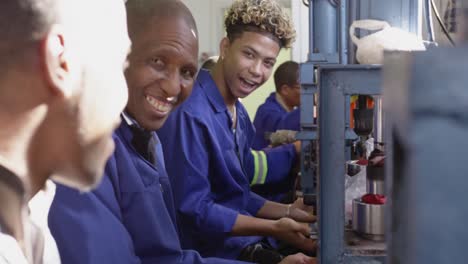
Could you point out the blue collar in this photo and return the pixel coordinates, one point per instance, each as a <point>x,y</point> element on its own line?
<point>208,85</point>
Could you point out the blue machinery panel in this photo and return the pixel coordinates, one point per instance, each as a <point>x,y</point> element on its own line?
<point>336,83</point>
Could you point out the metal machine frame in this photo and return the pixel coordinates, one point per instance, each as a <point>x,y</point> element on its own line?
<point>336,83</point>
<point>327,75</point>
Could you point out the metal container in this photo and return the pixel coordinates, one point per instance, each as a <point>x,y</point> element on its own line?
<point>368,220</point>
<point>352,168</point>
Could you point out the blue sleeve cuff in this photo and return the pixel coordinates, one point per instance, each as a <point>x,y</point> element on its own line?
<point>220,220</point>
<point>255,203</point>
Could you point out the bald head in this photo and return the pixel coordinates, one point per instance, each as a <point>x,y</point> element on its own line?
<point>140,13</point>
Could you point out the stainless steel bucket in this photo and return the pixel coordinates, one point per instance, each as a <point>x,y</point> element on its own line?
<point>368,220</point>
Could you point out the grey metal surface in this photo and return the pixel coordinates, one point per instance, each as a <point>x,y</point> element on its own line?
<point>324,37</point>
<point>356,245</point>
<point>357,259</point>
<point>311,29</point>
<point>352,79</point>
<point>343,32</point>
<point>428,105</point>
<point>368,219</point>
<point>308,91</point>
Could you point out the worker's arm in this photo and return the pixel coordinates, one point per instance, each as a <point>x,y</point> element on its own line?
<point>291,121</point>
<point>271,119</point>
<point>297,211</point>
<point>271,165</point>
<point>188,164</point>
<point>284,229</point>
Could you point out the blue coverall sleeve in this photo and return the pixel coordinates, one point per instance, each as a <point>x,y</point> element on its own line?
<point>87,227</point>
<point>189,169</point>
<point>290,121</point>
<point>271,120</point>
<point>270,165</point>
<point>256,202</point>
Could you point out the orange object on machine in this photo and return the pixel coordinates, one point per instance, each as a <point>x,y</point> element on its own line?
<point>353,105</point>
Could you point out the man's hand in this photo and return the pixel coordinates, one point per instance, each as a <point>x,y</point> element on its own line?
<point>298,258</point>
<point>301,212</point>
<point>294,233</point>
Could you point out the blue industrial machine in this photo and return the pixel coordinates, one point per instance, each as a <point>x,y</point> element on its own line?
<point>328,81</point>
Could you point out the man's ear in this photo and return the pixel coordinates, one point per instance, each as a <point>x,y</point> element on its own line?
<point>284,90</point>
<point>224,47</point>
<point>55,59</point>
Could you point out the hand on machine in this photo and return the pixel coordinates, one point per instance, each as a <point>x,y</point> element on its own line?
<point>295,233</point>
<point>295,227</point>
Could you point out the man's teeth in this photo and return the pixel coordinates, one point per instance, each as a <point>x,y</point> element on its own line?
<point>160,106</point>
<point>248,82</point>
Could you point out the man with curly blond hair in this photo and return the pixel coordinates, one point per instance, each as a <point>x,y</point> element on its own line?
<point>208,148</point>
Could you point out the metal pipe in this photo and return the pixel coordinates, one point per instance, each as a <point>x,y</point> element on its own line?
<point>353,14</point>
<point>311,30</point>
<point>325,30</point>
<point>378,132</point>
<point>429,22</point>
<point>343,30</point>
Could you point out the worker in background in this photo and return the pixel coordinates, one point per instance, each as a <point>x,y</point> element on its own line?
<point>281,108</point>
<point>209,63</point>
<point>279,112</point>
<point>130,217</point>
<point>208,140</point>
<point>56,111</point>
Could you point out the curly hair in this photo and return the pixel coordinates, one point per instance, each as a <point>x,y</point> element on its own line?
<point>260,16</point>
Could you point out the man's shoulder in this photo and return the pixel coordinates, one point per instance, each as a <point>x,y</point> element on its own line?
<point>269,107</point>
<point>196,108</point>
<point>198,100</point>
